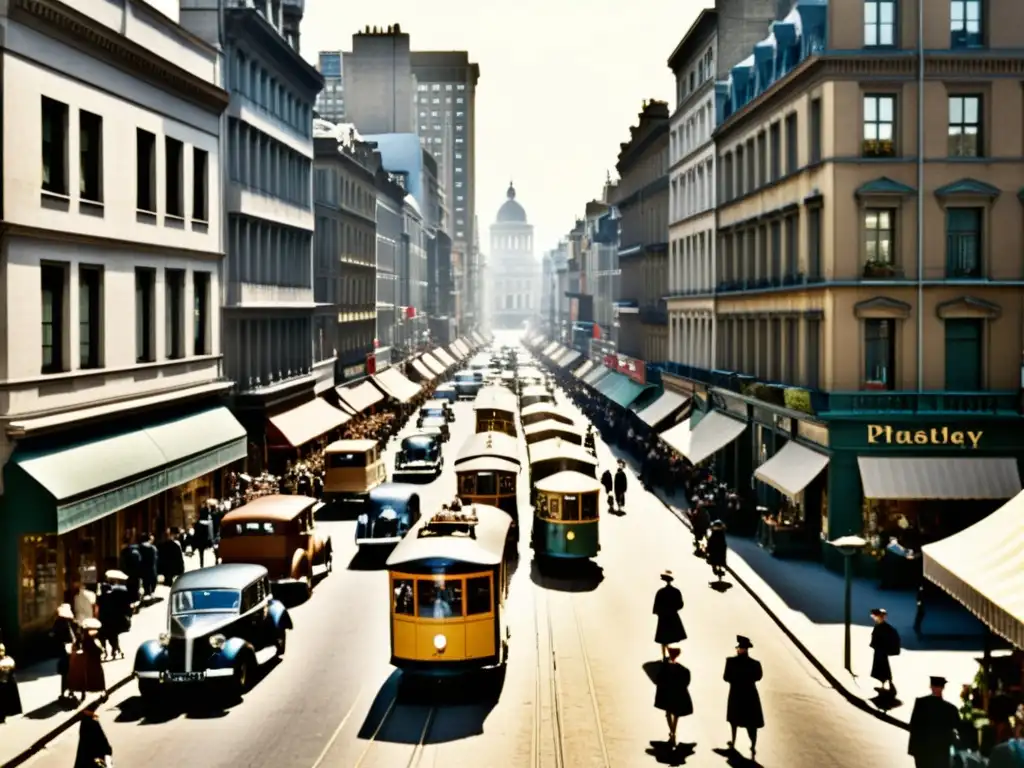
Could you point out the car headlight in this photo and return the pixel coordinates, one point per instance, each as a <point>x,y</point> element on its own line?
<point>363,519</point>
<point>440,643</point>
<point>164,639</point>
<point>217,642</point>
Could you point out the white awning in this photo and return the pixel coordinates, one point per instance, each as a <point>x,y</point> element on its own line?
<point>982,567</point>
<point>443,357</point>
<point>433,364</point>
<point>396,385</point>
<point>712,433</point>
<point>662,408</point>
<point>792,469</point>
<point>550,348</point>
<point>422,370</point>
<point>584,369</point>
<point>945,478</point>
<point>567,361</point>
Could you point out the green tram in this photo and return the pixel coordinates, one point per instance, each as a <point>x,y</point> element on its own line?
<point>495,410</point>
<point>487,472</point>
<point>531,414</point>
<point>565,518</point>
<point>535,393</point>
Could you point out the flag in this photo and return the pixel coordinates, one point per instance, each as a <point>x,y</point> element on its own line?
<point>596,331</point>
<point>410,311</point>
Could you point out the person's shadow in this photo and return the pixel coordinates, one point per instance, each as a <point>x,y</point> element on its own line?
<point>720,586</point>
<point>735,759</point>
<point>667,754</point>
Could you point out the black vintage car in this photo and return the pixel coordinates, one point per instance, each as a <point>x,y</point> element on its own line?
<point>440,422</point>
<point>222,624</point>
<point>394,508</point>
<point>418,457</point>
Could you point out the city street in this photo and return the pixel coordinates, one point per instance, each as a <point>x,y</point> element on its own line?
<point>577,691</point>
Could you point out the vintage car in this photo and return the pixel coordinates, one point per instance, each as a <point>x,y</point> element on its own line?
<point>222,624</point>
<point>440,422</point>
<point>446,392</point>
<point>468,383</point>
<point>353,469</point>
<point>419,456</point>
<point>437,408</point>
<point>279,533</point>
<point>394,508</point>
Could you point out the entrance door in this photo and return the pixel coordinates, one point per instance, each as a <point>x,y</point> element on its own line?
<point>964,355</point>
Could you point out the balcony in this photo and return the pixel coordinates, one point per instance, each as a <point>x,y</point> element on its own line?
<point>765,283</point>
<point>915,403</point>
<point>881,270</point>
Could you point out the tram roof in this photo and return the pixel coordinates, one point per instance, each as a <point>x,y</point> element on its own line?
<point>535,390</point>
<point>485,547</point>
<point>556,448</point>
<point>487,464</point>
<point>496,444</point>
<point>553,426</point>
<point>568,482</point>
<point>351,446</point>
<point>533,410</point>
<point>496,397</point>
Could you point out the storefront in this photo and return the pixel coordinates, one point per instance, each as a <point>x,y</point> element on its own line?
<point>69,506</point>
<point>363,397</point>
<point>302,430</point>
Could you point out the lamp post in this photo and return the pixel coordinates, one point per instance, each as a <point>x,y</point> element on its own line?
<point>848,547</point>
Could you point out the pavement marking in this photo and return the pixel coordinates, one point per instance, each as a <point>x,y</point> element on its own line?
<point>338,730</point>
<point>376,732</point>
<point>420,748</point>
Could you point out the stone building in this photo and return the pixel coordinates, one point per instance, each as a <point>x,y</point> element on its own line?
<point>513,272</point>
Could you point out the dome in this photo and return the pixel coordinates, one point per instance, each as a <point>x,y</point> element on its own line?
<point>510,210</point>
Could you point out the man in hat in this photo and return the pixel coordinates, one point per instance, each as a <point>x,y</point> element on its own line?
<point>717,548</point>
<point>115,612</point>
<point>668,602</point>
<point>93,747</point>
<point>885,642</point>
<point>620,486</point>
<point>742,673</point>
<point>933,728</point>
<point>150,565</point>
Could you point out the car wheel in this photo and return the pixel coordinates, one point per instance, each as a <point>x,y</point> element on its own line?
<point>282,643</point>
<point>243,671</point>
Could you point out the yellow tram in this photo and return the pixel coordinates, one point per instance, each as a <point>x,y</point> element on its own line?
<point>531,414</point>
<point>495,410</point>
<point>487,471</point>
<point>449,582</point>
<point>550,429</point>
<point>535,393</point>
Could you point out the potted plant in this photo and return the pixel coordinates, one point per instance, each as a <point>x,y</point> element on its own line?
<point>875,386</point>
<point>878,268</point>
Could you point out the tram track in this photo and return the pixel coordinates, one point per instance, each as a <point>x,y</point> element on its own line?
<point>418,749</point>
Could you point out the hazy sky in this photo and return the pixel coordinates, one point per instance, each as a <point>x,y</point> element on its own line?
<point>561,81</point>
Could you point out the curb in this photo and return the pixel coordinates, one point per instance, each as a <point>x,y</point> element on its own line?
<point>41,742</point>
<point>845,692</point>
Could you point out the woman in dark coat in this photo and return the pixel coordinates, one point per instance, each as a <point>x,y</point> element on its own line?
<point>717,548</point>
<point>700,519</point>
<point>65,639</point>
<point>668,602</point>
<point>86,665</point>
<point>742,673</point>
<point>885,642</point>
<point>93,746</point>
<point>10,700</point>
<point>606,481</point>
<point>673,693</point>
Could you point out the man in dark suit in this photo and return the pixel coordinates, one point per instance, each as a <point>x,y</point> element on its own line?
<point>933,728</point>
<point>150,565</point>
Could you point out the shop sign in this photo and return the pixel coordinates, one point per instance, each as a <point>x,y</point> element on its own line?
<point>627,366</point>
<point>813,433</point>
<point>886,434</point>
<point>353,372</point>
<point>729,404</point>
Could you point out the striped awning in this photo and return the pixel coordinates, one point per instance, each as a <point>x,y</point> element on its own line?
<point>699,441</point>
<point>939,478</point>
<point>584,369</point>
<point>662,408</point>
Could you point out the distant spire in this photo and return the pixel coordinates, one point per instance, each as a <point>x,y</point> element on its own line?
<point>511,194</point>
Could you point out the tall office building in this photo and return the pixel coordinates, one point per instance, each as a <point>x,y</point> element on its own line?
<point>330,103</point>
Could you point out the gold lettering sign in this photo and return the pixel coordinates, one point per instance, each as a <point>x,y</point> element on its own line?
<point>885,434</point>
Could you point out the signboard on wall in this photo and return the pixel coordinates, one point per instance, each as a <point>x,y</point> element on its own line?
<point>353,371</point>
<point>627,366</point>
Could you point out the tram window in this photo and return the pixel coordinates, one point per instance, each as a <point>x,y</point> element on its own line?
<point>542,504</point>
<point>478,595</point>
<point>570,508</point>
<point>346,460</point>
<point>254,529</point>
<point>440,599</point>
<point>467,485</point>
<point>508,483</point>
<point>589,506</point>
<point>554,508</point>
<point>403,597</point>
<point>486,484</point>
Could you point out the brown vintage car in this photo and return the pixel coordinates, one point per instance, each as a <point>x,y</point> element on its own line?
<point>279,533</point>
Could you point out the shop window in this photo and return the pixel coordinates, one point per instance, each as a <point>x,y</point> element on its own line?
<point>40,582</point>
<point>478,595</point>
<point>880,354</point>
<point>438,598</point>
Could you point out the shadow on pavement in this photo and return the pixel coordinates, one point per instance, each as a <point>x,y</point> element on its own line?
<point>735,759</point>
<point>47,711</point>
<point>370,558</point>
<point>720,586</point>
<point>566,575</point>
<point>667,754</point>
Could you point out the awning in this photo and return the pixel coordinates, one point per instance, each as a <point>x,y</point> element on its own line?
<point>433,364</point>
<point>625,391</point>
<point>309,421</point>
<point>982,567</point>
<point>710,435</point>
<point>424,373</point>
<point>539,339</point>
<point>360,397</point>
<point>550,348</point>
<point>63,489</point>
<point>460,345</point>
<point>455,352</point>
<point>662,408</point>
<point>560,350</point>
<point>443,357</point>
<point>566,361</point>
<point>465,342</point>
<point>935,478</point>
<point>584,369</point>
<point>479,337</point>
<point>595,376</point>
<point>792,469</point>
<point>396,385</point>
<point>609,383</point>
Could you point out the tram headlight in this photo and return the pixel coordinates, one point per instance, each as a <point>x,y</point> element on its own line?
<point>570,535</point>
<point>440,643</point>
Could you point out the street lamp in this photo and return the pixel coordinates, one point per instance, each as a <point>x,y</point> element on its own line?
<point>848,546</point>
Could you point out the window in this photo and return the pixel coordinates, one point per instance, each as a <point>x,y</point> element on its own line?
<point>792,160</point>
<point>478,595</point>
<point>200,185</point>
<point>145,311</point>
<point>460,114</point>
<point>762,159</point>
<point>879,124</point>
<point>879,23</point>
<point>175,299</point>
<point>435,87</point>
<point>878,224</point>
<point>727,174</point>
<point>90,156</point>
<point>460,87</point>
<point>964,355</point>
<point>448,86</point>
<point>55,146</point>
<point>965,126</point>
<point>813,359</point>
<point>776,150</point>
<point>439,599</point>
<point>458,155</point>
<point>814,243</point>
<point>145,171</point>
<point>200,312</point>
<point>815,131</point>
<point>740,181</point>
<point>965,23</point>
<point>459,100</point>
<point>90,306</point>
<point>792,259</point>
<point>963,242</point>
<point>52,283</point>
<point>880,353</point>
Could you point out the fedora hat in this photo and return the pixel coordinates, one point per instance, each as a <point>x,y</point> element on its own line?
<point>667,575</point>
<point>115,575</point>
<point>743,642</point>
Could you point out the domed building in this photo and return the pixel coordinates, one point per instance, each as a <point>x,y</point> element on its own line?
<point>513,274</point>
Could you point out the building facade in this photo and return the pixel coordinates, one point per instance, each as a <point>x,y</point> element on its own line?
<point>390,244</point>
<point>330,102</point>
<point>513,270</point>
<point>602,274</point>
<point>642,199</point>
<point>111,345</point>
<point>412,280</point>
<point>344,248</point>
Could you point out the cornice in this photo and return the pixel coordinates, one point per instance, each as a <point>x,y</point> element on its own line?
<point>79,31</point>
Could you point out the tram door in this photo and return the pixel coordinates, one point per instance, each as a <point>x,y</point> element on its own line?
<point>486,484</point>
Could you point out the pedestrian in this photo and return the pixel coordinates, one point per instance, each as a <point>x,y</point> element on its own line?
<point>672,694</point>
<point>65,639</point>
<point>150,565</point>
<point>10,700</point>
<point>115,613</point>
<point>202,538</point>
<point>606,481</point>
<point>742,673</point>
<point>130,562</point>
<point>83,602</point>
<point>668,602</point>
<point>170,556</point>
<point>1010,754</point>
<point>885,642</point>
<point>85,668</point>
<point>717,548</point>
<point>93,746</point>
<point>620,486</point>
<point>700,519</point>
<point>933,727</point>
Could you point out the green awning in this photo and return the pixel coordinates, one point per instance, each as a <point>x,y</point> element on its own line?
<point>66,488</point>
<point>626,391</point>
<point>608,384</point>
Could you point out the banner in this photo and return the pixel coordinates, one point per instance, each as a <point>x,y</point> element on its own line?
<point>627,366</point>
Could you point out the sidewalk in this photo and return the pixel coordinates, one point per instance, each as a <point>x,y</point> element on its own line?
<point>45,717</point>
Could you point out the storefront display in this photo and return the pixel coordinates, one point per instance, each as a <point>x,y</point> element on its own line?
<point>42,576</point>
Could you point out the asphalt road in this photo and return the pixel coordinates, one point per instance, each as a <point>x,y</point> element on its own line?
<point>576,692</point>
